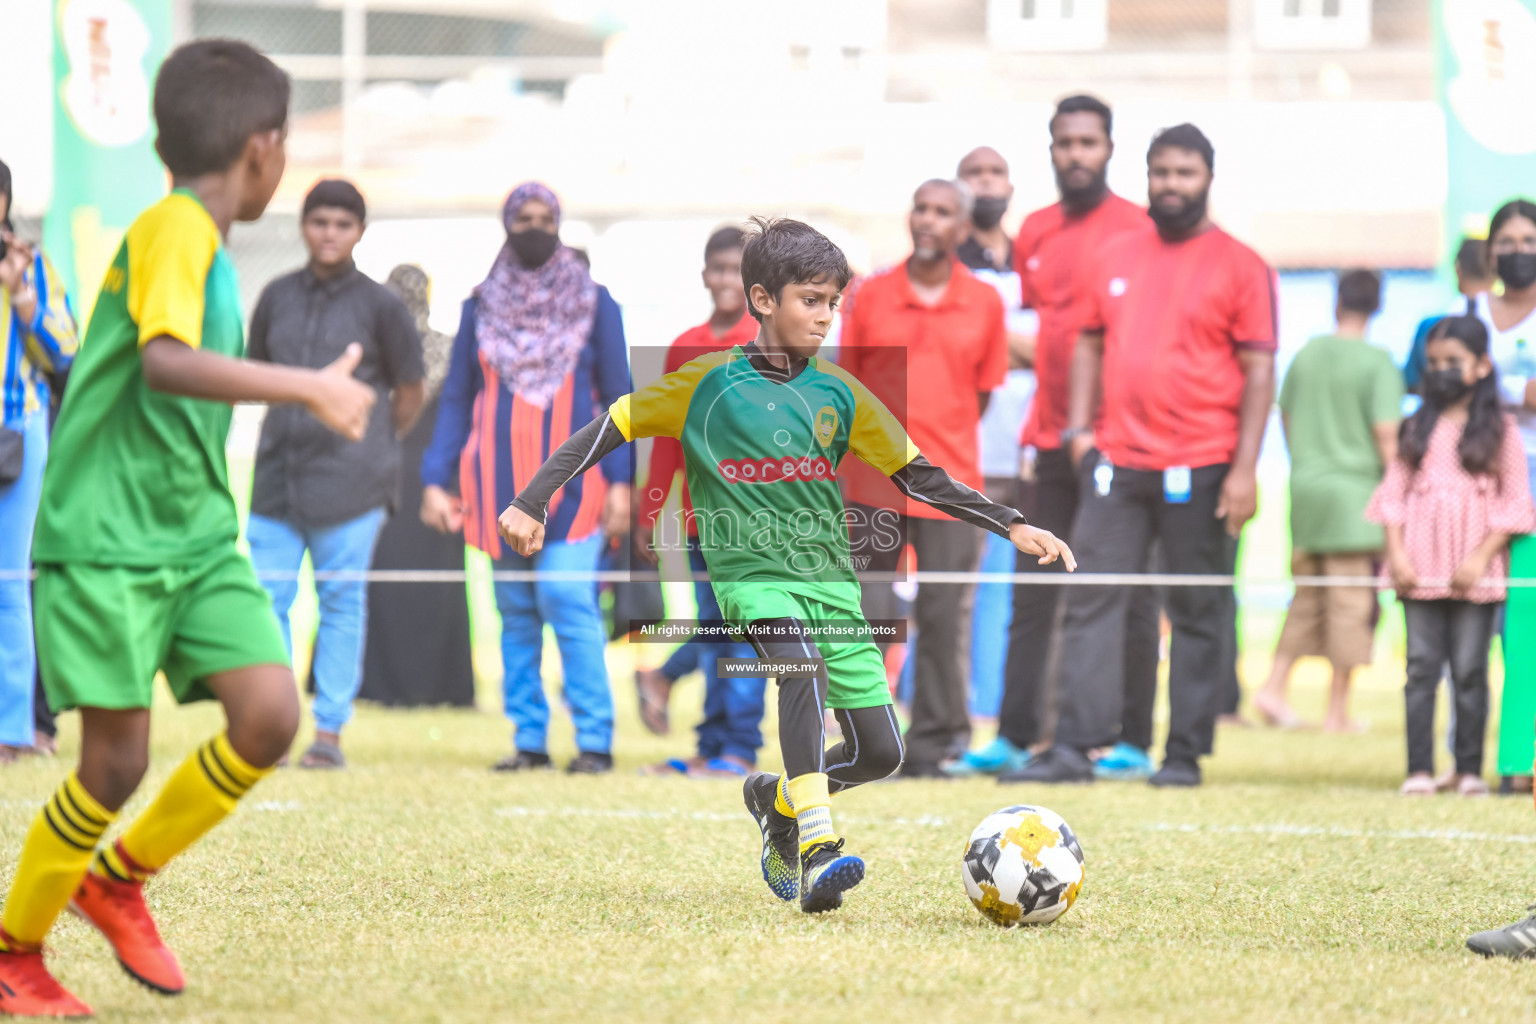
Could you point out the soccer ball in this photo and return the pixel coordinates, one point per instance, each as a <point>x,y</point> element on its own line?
<point>1023,865</point>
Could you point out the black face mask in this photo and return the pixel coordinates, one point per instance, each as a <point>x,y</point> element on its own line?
<point>1443,387</point>
<point>533,247</point>
<point>1517,269</point>
<point>1177,223</point>
<point>988,211</point>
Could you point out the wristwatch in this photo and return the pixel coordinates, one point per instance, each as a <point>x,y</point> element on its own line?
<point>1071,434</point>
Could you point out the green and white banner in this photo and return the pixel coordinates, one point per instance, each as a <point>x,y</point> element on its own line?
<point>1486,59</point>
<point>105,54</point>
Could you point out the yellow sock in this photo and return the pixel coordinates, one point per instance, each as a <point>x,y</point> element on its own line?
<point>198,795</point>
<point>813,809</point>
<point>781,798</point>
<point>54,858</point>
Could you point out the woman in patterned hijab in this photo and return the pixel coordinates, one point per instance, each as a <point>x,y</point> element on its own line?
<point>540,353</point>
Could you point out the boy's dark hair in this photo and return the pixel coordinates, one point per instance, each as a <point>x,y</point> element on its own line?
<point>211,96</point>
<point>1184,136</point>
<point>728,237</point>
<point>1472,258</point>
<point>779,251</point>
<point>1360,292</point>
<point>1085,104</point>
<point>1483,435</point>
<point>338,193</point>
<point>5,190</point>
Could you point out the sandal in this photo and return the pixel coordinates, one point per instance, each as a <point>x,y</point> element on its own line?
<point>653,690</point>
<point>1471,785</point>
<point>323,755</point>
<point>1421,784</point>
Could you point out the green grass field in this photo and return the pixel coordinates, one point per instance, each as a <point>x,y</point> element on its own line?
<point>417,886</point>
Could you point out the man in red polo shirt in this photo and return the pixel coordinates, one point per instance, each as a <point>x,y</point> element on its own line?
<point>1179,335</point>
<point>930,341</point>
<point>1054,255</point>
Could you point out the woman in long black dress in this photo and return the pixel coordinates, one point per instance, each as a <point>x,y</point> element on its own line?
<point>418,637</point>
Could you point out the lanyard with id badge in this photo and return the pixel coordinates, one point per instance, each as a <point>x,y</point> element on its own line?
<point>1177,484</point>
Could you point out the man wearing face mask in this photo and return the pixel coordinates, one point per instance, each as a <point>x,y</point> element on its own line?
<point>1178,348</point>
<point>540,348</point>
<point>930,341</point>
<point>988,253</point>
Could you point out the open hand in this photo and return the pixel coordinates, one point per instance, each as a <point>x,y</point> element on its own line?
<point>441,510</point>
<point>1082,444</point>
<point>1404,578</point>
<point>341,401</point>
<point>523,533</point>
<point>643,541</point>
<point>1049,547</point>
<point>1239,499</point>
<point>1468,573</point>
<point>616,510</point>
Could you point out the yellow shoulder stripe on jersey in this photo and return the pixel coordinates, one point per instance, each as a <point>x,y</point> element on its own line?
<point>876,436</point>
<point>170,250</point>
<point>659,409</point>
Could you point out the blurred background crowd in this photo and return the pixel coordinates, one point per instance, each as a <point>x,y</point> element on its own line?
<point>1359,156</point>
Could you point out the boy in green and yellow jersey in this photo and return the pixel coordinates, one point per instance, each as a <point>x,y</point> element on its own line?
<point>135,546</point>
<point>763,428</point>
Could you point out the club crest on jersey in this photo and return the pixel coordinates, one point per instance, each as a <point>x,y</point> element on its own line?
<point>826,425</point>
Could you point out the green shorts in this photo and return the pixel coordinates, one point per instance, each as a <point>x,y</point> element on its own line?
<point>103,631</point>
<point>855,668</point>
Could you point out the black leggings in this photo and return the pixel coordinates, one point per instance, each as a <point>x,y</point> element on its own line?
<point>871,747</point>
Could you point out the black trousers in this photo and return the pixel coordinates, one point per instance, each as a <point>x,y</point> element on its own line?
<point>871,747</point>
<point>941,722</point>
<point>1114,533</point>
<point>1458,632</point>
<point>1027,687</point>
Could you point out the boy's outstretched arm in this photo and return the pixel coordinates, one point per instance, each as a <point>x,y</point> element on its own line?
<point>522,524</point>
<point>922,481</point>
<point>331,394</point>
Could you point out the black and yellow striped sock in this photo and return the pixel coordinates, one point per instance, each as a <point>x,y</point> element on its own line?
<point>198,795</point>
<point>54,858</point>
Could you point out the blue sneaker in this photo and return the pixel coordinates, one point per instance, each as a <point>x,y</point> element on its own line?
<point>827,873</point>
<point>1124,761</point>
<point>997,756</point>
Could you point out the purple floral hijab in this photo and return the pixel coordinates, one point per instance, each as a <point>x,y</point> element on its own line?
<point>531,324</point>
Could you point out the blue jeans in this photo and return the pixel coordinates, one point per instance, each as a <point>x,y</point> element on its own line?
<point>18,514</point>
<point>278,546</point>
<point>570,608</point>
<point>733,708</point>
<point>989,628</point>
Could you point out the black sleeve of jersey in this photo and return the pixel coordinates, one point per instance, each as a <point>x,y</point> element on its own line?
<point>581,451</point>
<point>925,482</point>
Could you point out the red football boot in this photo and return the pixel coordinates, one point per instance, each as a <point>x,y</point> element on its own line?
<point>117,910</point>
<point>28,990</point>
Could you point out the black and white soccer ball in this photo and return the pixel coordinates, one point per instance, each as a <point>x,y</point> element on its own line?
<point>1023,865</point>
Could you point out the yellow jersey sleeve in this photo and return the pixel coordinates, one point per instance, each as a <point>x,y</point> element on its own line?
<point>660,409</point>
<point>170,249</point>
<point>876,436</point>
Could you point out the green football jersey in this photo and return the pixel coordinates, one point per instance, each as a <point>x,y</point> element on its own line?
<point>761,459</point>
<point>136,477</point>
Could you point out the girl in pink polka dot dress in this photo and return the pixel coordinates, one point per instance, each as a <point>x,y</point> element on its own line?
<point>1457,491</point>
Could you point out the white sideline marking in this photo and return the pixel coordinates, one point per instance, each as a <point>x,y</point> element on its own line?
<point>1337,832</point>
<point>276,805</point>
<point>676,814</point>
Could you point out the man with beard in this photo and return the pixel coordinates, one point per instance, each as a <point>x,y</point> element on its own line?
<point>1179,336</point>
<point>929,340</point>
<point>1055,256</point>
